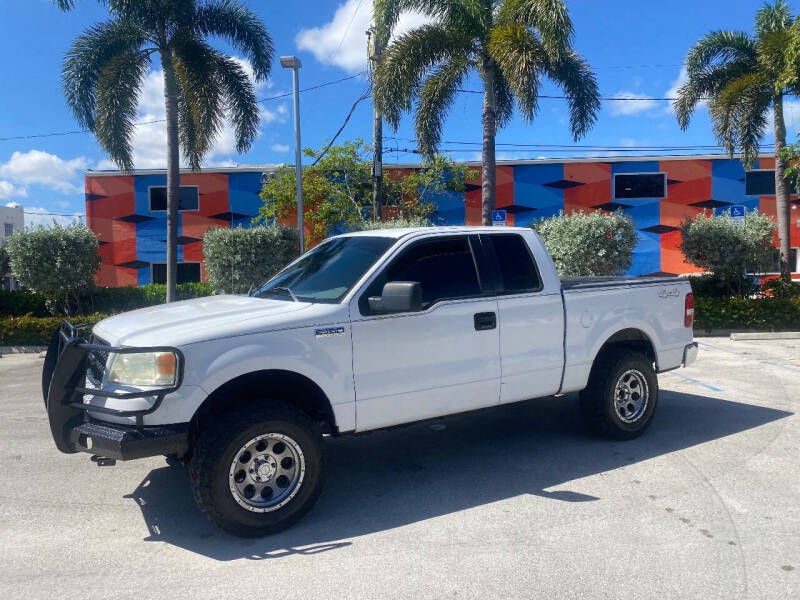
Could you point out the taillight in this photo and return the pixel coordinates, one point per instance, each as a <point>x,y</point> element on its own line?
<point>688,312</point>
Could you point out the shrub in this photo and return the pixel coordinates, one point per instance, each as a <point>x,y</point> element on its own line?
<point>58,262</point>
<point>239,258</point>
<point>25,302</point>
<point>746,313</point>
<point>715,243</point>
<point>711,286</point>
<point>121,299</point>
<point>589,243</point>
<point>390,224</point>
<point>35,331</point>
<point>778,288</point>
<point>4,264</point>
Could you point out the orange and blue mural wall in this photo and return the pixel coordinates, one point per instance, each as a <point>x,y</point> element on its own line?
<point>132,236</point>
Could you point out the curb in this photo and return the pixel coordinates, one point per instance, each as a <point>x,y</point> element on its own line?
<point>21,349</point>
<point>767,335</point>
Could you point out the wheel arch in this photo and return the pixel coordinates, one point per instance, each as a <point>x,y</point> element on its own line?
<point>282,385</point>
<point>631,338</point>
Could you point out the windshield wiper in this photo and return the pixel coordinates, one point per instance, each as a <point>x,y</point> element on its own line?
<point>279,288</point>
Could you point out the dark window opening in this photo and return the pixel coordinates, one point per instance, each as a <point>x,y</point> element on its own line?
<point>517,268</point>
<point>188,197</point>
<point>640,185</point>
<point>187,273</point>
<point>445,268</point>
<point>759,183</point>
<point>775,266</point>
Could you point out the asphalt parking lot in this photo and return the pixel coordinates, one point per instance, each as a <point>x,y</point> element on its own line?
<point>513,502</point>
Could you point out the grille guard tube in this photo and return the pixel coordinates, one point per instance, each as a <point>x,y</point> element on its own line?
<point>62,384</point>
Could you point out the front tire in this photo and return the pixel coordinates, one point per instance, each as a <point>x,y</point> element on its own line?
<point>258,469</point>
<point>622,394</point>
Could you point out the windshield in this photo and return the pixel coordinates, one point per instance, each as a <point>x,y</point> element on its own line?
<point>326,273</point>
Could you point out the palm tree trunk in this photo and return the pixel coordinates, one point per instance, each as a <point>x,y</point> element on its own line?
<point>173,173</point>
<point>782,201</point>
<point>489,174</point>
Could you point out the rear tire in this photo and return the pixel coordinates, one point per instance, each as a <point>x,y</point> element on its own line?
<point>258,469</point>
<point>622,395</point>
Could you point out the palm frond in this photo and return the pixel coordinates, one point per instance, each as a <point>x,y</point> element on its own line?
<point>521,58</point>
<point>739,114</point>
<point>240,100</point>
<point>503,100</point>
<point>436,97</point>
<point>573,75</point>
<point>704,84</point>
<point>242,28</point>
<point>460,15</point>
<point>65,5</point>
<point>187,134</point>
<point>549,18</point>
<point>195,65</point>
<point>772,17</point>
<point>118,90</point>
<point>721,46</point>
<point>406,61</point>
<point>86,59</point>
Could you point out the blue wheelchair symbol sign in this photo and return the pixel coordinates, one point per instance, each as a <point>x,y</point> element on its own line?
<point>498,217</point>
<point>737,210</point>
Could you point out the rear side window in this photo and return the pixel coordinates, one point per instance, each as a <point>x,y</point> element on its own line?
<point>445,268</point>
<point>517,269</point>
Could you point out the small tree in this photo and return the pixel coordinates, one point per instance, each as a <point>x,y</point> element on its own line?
<point>589,243</point>
<point>337,190</point>
<point>4,264</point>
<point>58,263</point>
<point>715,243</point>
<point>237,259</point>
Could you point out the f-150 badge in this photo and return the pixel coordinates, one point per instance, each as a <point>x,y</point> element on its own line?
<point>329,332</point>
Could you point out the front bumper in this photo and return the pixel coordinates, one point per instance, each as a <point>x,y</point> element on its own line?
<point>63,381</point>
<point>690,354</point>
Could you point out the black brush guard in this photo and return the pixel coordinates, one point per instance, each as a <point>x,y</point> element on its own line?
<point>63,388</point>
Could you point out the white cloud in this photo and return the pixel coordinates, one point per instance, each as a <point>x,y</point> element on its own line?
<point>280,148</point>
<point>43,168</point>
<point>9,190</point>
<point>342,41</point>
<point>37,216</point>
<point>149,140</point>
<point>641,104</point>
<point>672,92</point>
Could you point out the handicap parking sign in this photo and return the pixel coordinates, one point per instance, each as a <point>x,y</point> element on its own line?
<point>499,218</point>
<point>737,212</point>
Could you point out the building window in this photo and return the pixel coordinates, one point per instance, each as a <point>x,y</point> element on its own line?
<point>775,266</point>
<point>759,183</point>
<point>9,229</point>
<point>188,197</point>
<point>640,185</point>
<point>187,273</point>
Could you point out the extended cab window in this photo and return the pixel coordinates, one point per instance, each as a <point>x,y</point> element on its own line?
<point>445,267</point>
<point>326,273</point>
<point>518,272</point>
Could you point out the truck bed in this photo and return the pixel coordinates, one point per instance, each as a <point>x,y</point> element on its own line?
<point>579,283</point>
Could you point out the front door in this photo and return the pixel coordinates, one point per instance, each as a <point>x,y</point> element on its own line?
<point>443,359</point>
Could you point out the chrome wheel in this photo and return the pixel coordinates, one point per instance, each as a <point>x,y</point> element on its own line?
<point>631,396</point>
<point>267,472</point>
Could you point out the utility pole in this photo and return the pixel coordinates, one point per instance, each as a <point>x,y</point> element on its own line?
<point>376,44</point>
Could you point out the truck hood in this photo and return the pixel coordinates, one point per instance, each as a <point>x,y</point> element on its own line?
<point>199,319</point>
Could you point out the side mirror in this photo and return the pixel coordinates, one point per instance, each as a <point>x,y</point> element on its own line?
<point>398,296</point>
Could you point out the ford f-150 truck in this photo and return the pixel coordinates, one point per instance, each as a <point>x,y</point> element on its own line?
<point>367,330</point>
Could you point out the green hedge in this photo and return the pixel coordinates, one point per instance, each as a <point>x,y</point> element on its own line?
<point>35,331</point>
<point>101,300</point>
<point>746,313</point>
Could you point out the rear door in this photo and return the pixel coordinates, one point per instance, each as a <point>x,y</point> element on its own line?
<point>531,320</point>
<point>442,359</point>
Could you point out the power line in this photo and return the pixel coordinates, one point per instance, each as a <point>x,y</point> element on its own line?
<point>48,214</point>
<point>267,99</point>
<point>367,93</point>
<point>545,147</point>
<point>604,98</point>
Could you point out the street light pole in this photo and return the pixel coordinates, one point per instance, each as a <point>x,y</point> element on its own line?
<point>293,63</point>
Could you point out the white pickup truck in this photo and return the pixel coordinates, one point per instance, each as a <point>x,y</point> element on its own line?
<point>367,330</point>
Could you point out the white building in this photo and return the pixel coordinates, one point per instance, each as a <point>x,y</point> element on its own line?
<point>12,219</point>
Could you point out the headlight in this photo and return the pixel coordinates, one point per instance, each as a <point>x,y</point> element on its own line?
<point>143,369</point>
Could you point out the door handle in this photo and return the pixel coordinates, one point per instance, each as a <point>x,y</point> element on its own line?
<point>485,320</point>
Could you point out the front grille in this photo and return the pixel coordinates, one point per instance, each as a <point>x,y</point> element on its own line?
<point>96,362</point>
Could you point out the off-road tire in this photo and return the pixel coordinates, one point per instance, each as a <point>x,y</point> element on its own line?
<point>597,400</point>
<point>217,447</point>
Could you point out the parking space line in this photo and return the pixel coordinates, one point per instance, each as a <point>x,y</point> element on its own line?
<point>708,386</point>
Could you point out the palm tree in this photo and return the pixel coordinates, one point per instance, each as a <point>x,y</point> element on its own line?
<point>105,68</point>
<point>511,44</point>
<point>741,76</point>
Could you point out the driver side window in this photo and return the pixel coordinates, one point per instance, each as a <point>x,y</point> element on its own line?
<point>444,266</point>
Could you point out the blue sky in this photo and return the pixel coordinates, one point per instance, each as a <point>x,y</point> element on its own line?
<point>635,46</point>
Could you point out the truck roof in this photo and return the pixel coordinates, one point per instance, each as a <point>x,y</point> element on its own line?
<point>402,232</point>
